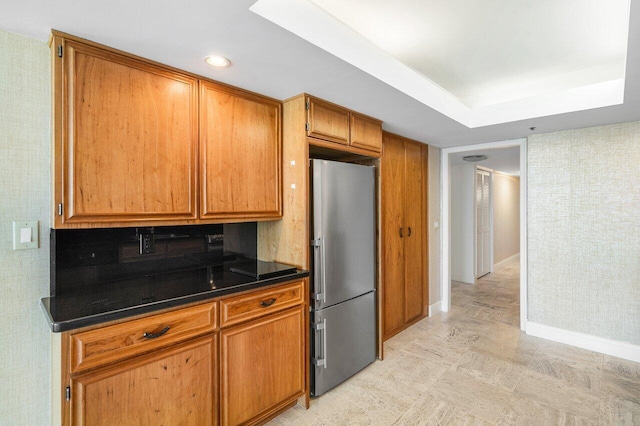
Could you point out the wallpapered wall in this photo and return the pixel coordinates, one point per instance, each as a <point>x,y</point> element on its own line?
<point>584,230</point>
<point>25,158</point>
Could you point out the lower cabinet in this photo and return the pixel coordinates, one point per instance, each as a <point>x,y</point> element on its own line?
<point>240,359</point>
<point>170,387</point>
<point>262,366</point>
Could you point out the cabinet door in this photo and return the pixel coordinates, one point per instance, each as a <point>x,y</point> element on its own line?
<point>366,132</point>
<point>171,387</point>
<point>413,217</point>
<point>393,233</point>
<point>126,139</point>
<point>240,151</point>
<point>262,366</point>
<point>327,121</point>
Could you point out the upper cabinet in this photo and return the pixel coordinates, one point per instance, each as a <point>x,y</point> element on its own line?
<point>125,138</point>
<point>137,143</point>
<point>332,126</point>
<point>240,144</point>
<point>327,121</point>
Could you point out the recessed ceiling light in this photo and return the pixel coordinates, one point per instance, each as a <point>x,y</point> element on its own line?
<point>217,61</point>
<point>474,158</point>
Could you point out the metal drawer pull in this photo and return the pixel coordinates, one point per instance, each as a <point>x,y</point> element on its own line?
<point>155,335</point>
<point>267,303</point>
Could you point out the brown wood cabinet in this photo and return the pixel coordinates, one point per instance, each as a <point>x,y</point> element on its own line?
<point>404,242</point>
<point>170,387</point>
<point>262,366</point>
<point>262,353</point>
<point>240,144</point>
<point>239,359</point>
<point>125,138</point>
<point>137,143</point>
<point>159,369</point>
<point>332,126</point>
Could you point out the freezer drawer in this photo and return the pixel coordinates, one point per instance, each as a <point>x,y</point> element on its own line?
<point>344,341</point>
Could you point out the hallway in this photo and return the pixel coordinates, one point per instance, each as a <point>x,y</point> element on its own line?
<point>473,366</point>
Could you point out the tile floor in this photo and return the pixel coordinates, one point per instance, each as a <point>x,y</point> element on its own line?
<point>473,366</point>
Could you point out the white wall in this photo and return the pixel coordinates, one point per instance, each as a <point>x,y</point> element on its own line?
<point>25,161</point>
<point>462,222</point>
<point>584,231</point>
<point>506,216</point>
<point>434,233</point>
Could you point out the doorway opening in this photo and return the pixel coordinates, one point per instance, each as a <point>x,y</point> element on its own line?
<point>457,248</point>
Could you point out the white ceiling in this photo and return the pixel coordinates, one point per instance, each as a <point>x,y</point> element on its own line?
<point>477,62</point>
<point>271,60</point>
<point>477,48</point>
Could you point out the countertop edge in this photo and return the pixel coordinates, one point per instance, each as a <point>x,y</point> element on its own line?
<point>75,323</point>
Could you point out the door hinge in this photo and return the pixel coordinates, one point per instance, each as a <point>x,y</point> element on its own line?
<point>60,51</point>
<point>306,126</point>
<point>306,104</point>
<point>60,209</point>
<point>315,243</point>
<point>67,393</point>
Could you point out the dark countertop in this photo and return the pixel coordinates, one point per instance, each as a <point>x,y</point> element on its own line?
<point>126,298</point>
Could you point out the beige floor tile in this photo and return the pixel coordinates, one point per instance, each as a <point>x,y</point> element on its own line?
<point>622,367</point>
<point>619,412</point>
<point>471,395</point>
<point>483,313</point>
<point>431,411</point>
<point>402,373</point>
<point>622,387</point>
<point>525,412</point>
<point>576,357</point>
<point>568,373</point>
<point>555,393</point>
<point>436,349</point>
<point>489,370</point>
<point>508,343</point>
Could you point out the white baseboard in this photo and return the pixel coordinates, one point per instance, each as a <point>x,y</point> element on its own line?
<point>506,261</point>
<point>597,344</point>
<point>434,308</point>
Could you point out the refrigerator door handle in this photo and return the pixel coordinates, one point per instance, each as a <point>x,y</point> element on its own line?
<point>321,361</point>
<point>319,274</point>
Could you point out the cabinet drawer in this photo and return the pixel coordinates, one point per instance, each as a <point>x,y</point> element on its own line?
<point>105,345</point>
<point>241,308</point>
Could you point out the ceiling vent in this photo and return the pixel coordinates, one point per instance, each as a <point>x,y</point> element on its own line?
<point>474,158</point>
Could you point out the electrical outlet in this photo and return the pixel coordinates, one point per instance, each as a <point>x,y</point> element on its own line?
<point>147,243</point>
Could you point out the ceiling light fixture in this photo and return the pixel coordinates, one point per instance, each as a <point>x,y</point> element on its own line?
<point>474,158</point>
<point>217,61</point>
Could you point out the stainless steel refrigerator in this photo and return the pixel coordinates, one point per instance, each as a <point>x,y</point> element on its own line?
<point>343,316</point>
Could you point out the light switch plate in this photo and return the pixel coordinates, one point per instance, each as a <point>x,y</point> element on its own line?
<point>25,235</point>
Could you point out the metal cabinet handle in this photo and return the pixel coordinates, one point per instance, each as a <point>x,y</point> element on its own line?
<point>155,335</point>
<point>321,361</point>
<point>267,303</point>
<point>400,232</point>
<point>319,279</point>
<point>409,231</point>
